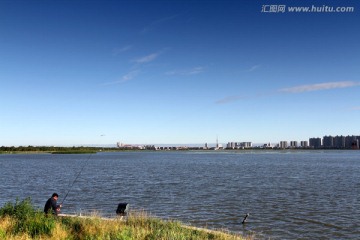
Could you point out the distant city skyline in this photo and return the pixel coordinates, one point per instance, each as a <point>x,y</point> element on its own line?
<point>209,144</point>
<point>174,72</point>
<point>305,142</point>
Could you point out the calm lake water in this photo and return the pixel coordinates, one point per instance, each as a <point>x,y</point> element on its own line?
<point>289,195</point>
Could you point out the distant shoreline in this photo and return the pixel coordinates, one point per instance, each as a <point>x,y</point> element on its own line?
<point>94,150</point>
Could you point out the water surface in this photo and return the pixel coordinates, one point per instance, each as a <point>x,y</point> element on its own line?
<point>289,195</point>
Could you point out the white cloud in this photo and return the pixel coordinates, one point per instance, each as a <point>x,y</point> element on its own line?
<point>130,75</point>
<point>147,58</point>
<point>192,71</point>
<point>229,99</point>
<point>158,22</point>
<point>127,77</point>
<point>356,108</point>
<point>253,68</point>
<point>319,86</point>
<point>296,89</point>
<point>117,51</point>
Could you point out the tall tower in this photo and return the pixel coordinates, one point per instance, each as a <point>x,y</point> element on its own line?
<point>217,141</point>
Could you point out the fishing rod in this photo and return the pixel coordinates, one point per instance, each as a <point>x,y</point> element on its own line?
<point>77,176</point>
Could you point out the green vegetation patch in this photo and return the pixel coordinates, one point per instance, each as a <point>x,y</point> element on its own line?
<point>55,150</point>
<point>20,220</point>
<point>26,219</point>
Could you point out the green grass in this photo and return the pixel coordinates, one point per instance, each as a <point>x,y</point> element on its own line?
<point>20,220</point>
<point>25,219</point>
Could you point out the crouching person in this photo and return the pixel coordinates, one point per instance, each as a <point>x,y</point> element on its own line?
<point>51,206</point>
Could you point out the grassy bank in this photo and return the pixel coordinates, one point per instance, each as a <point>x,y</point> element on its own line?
<point>20,220</point>
<point>54,150</point>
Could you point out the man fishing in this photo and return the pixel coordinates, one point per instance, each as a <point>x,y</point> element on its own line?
<point>51,205</point>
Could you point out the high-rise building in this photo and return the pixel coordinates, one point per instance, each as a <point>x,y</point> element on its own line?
<point>315,142</point>
<point>328,141</point>
<point>304,144</point>
<point>356,144</point>
<point>283,144</point>
<point>351,142</point>
<point>231,145</point>
<point>247,144</point>
<point>238,145</point>
<point>358,141</point>
<point>293,144</point>
<point>339,142</point>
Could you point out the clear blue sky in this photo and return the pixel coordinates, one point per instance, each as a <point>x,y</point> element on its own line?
<point>176,72</point>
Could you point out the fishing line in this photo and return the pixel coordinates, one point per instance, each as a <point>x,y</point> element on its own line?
<point>77,176</point>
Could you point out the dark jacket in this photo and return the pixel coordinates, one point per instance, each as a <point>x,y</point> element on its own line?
<point>51,206</point>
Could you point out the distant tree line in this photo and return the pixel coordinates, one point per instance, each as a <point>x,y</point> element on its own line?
<point>53,149</point>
